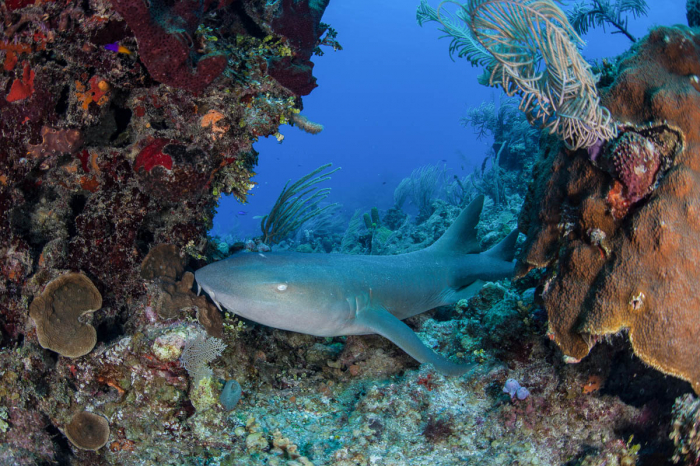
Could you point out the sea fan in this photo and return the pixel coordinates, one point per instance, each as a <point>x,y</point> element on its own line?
<point>531,51</point>
<point>198,353</point>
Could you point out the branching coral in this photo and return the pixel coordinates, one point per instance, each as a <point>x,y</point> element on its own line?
<point>530,49</point>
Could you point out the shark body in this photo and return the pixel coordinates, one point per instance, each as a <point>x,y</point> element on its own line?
<point>335,294</point>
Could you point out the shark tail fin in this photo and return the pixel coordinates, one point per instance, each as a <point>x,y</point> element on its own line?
<point>505,249</point>
<point>460,237</point>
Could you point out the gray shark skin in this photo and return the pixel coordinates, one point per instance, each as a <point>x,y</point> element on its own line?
<point>336,294</point>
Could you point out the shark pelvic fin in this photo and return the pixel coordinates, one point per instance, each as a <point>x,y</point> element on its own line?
<point>460,238</point>
<point>382,322</point>
<point>505,249</point>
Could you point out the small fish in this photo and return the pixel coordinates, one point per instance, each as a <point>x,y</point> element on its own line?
<point>116,48</point>
<point>241,212</point>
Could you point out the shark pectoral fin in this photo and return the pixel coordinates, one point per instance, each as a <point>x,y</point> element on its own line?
<point>382,322</point>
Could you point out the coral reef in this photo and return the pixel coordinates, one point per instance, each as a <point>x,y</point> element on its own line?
<point>166,46</point>
<point>171,289</point>
<point>617,227</point>
<point>122,123</point>
<point>108,144</point>
<point>111,167</point>
<point>163,260</point>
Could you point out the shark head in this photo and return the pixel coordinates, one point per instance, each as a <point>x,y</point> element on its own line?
<point>276,289</point>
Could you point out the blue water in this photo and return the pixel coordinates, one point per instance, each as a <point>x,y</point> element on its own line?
<point>390,102</point>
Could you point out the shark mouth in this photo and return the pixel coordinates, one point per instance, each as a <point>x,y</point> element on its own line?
<point>211,294</point>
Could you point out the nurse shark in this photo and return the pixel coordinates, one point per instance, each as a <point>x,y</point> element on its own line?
<point>330,295</point>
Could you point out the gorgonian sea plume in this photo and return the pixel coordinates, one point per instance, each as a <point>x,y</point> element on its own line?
<point>529,48</point>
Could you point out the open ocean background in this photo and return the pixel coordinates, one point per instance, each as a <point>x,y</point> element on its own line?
<point>390,101</point>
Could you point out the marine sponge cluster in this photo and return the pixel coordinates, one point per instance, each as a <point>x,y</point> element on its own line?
<point>619,235</point>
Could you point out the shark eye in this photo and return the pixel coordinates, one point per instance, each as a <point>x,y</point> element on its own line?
<point>282,287</point>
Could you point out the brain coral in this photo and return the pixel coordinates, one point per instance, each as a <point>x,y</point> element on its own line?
<point>621,240</point>
<point>56,313</point>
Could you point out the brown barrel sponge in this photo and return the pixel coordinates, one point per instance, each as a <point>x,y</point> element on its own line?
<point>56,314</point>
<point>88,431</point>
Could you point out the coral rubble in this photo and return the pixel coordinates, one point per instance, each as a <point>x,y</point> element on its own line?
<point>618,227</point>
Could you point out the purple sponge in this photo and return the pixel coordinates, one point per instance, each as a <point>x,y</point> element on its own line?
<point>513,388</point>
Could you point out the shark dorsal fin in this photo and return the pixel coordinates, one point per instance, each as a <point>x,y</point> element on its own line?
<point>505,249</point>
<point>460,238</point>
